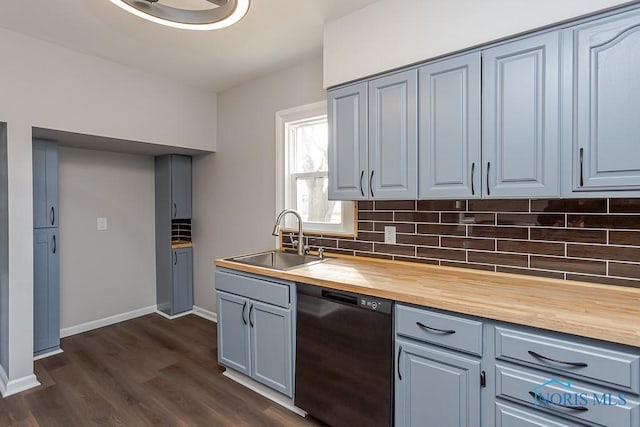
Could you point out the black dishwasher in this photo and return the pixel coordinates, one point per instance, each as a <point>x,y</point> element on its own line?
<point>344,357</point>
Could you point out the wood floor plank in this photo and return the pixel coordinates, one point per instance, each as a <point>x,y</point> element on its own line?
<point>149,371</point>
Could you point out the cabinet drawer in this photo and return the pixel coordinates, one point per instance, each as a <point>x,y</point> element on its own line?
<point>441,329</point>
<point>259,289</point>
<point>571,358</point>
<point>567,398</point>
<point>510,416</point>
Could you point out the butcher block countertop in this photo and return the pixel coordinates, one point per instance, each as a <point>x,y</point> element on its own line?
<point>606,312</point>
<point>181,245</point>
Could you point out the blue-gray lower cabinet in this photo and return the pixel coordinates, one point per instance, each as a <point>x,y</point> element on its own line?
<point>435,387</point>
<point>511,416</point>
<point>233,332</point>
<point>256,327</point>
<point>46,291</point>
<point>270,331</point>
<point>182,283</point>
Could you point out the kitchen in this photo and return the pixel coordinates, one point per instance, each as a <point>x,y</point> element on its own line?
<point>234,190</point>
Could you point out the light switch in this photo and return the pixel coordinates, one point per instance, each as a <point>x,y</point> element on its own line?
<point>390,235</point>
<point>102,224</point>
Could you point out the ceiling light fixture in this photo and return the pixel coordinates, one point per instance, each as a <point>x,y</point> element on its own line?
<point>223,13</point>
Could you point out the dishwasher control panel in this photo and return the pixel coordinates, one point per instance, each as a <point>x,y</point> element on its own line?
<point>374,304</point>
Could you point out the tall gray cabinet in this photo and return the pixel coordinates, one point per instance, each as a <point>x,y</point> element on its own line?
<point>174,255</point>
<point>46,248</point>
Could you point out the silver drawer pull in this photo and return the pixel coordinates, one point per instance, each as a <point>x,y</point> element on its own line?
<point>574,364</point>
<point>541,399</point>
<point>431,329</point>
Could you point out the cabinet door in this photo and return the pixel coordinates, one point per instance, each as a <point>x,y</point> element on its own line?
<point>435,388</point>
<point>347,150</point>
<point>45,183</point>
<point>520,90</point>
<point>46,290</point>
<point>180,187</point>
<point>182,286</point>
<point>605,86</point>
<point>393,136</point>
<point>450,128</point>
<point>233,332</point>
<point>271,353</point>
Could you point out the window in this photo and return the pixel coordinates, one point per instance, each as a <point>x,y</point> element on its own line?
<point>302,165</point>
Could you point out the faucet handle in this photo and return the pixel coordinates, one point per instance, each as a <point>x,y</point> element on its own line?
<point>321,253</point>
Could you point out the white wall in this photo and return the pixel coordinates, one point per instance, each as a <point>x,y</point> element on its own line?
<point>104,273</point>
<point>4,252</point>
<point>234,194</point>
<point>45,85</point>
<point>393,33</point>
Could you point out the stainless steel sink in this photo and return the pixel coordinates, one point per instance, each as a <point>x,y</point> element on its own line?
<point>278,260</point>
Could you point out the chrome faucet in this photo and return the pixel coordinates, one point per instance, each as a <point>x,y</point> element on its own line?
<point>276,230</point>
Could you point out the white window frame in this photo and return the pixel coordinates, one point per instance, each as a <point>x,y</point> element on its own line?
<point>286,191</point>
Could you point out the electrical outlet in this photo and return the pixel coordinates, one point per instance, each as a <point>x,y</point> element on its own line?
<point>102,224</point>
<point>390,235</point>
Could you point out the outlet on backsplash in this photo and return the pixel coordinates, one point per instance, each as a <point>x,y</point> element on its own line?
<point>390,234</point>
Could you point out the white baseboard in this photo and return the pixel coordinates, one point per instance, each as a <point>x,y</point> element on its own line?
<point>4,380</point>
<point>272,395</point>
<point>11,387</point>
<point>175,316</point>
<point>206,314</point>
<point>51,353</point>
<point>95,324</point>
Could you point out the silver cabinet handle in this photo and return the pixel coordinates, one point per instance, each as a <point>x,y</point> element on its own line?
<point>55,245</point>
<point>361,177</point>
<point>250,310</point>
<point>175,258</point>
<point>53,215</point>
<point>175,210</point>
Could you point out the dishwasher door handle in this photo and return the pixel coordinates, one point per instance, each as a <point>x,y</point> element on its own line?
<point>340,297</point>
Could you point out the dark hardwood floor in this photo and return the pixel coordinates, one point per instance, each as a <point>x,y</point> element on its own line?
<point>148,371</point>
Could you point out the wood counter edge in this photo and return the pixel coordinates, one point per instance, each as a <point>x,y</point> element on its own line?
<point>532,317</point>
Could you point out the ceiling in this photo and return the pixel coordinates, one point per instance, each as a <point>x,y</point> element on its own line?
<point>273,35</point>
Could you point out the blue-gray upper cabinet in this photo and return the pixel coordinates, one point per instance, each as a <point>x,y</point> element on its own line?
<point>449,129</point>
<point>45,183</point>
<point>182,283</point>
<point>435,388</point>
<point>521,123</point>
<point>46,291</point>
<point>270,331</point>
<point>233,332</point>
<point>180,187</point>
<point>602,146</point>
<point>347,150</point>
<point>393,136</point>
